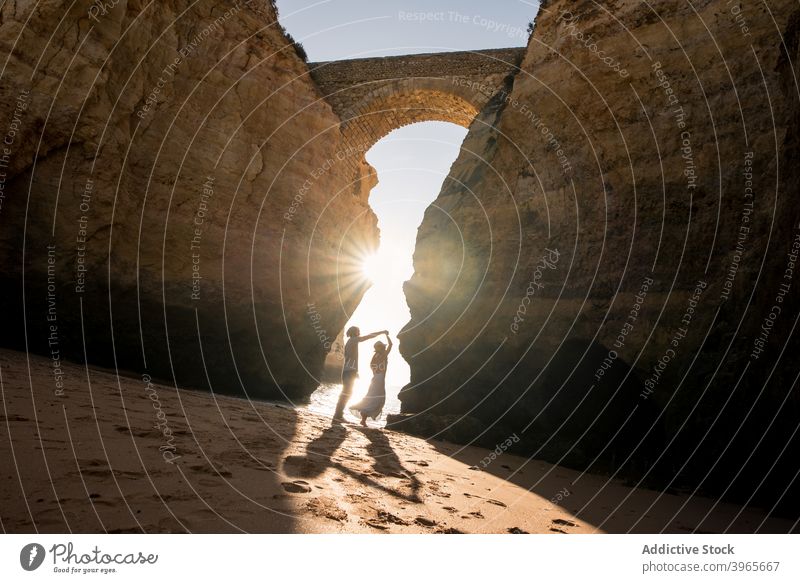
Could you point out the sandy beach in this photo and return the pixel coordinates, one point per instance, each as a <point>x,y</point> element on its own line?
<point>109,453</point>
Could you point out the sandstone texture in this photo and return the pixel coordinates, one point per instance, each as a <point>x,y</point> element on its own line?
<point>175,197</point>
<point>609,272</point>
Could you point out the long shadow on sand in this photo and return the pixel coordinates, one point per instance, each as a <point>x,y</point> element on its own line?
<point>386,461</point>
<point>319,453</point>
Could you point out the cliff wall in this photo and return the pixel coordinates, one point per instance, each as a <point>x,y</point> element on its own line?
<point>609,272</point>
<point>176,198</point>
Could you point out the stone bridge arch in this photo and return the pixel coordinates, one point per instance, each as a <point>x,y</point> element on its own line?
<point>374,96</point>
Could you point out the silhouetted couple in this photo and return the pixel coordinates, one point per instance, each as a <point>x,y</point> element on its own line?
<point>371,405</point>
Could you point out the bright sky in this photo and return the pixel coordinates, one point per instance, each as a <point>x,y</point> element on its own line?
<point>348,29</point>
<point>413,161</point>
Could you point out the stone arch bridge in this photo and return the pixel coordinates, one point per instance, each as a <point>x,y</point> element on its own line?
<point>374,96</point>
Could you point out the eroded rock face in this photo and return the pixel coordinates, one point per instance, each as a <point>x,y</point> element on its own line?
<point>178,200</point>
<point>609,272</point>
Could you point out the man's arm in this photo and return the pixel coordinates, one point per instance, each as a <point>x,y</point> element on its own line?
<point>371,336</point>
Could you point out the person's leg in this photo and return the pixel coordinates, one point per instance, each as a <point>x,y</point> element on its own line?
<point>348,379</point>
<point>364,419</point>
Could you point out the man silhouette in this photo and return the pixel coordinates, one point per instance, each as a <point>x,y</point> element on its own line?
<point>350,367</point>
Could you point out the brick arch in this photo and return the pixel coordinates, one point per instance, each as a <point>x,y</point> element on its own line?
<point>375,96</point>
<point>392,107</point>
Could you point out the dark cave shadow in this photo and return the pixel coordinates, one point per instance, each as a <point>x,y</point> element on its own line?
<point>603,431</point>
<point>549,482</point>
<point>539,477</point>
<point>112,429</point>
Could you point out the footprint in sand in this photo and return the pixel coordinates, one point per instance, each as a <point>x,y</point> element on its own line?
<point>400,475</point>
<point>476,514</point>
<point>326,508</point>
<point>436,490</point>
<point>448,530</point>
<point>496,502</point>
<point>14,418</point>
<point>296,487</point>
<point>564,522</point>
<point>517,530</point>
<point>424,521</point>
<point>219,471</point>
<point>391,518</point>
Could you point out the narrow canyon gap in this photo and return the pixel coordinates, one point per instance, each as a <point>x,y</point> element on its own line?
<point>411,164</point>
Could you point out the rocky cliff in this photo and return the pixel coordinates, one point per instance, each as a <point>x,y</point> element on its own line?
<point>607,279</point>
<point>177,199</point>
<point>609,271</point>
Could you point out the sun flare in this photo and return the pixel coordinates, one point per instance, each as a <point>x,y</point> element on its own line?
<point>373,268</point>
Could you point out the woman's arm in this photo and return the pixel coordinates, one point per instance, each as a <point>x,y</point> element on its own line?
<point>389,343</point>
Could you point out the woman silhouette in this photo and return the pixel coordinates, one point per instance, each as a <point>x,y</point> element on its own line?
<point>372,404</point>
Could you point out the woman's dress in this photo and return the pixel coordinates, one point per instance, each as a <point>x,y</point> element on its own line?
<point>372,404</point>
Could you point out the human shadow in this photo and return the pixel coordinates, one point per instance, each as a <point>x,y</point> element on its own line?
<point>318,453</point>
<point>318,457</point>
<point>387,462</point>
